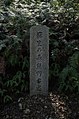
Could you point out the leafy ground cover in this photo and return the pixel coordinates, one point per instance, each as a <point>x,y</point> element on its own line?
<point>54,106</point>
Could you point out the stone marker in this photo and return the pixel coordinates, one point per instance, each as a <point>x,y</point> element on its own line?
<point>39,60</point>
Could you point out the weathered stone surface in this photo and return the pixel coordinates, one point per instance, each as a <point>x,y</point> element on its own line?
<point>39,60</point>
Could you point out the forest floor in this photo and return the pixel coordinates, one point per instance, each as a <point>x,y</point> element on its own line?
<point>53,106</point>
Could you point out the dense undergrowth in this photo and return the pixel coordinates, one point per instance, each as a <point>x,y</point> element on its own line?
<point>16,18</point>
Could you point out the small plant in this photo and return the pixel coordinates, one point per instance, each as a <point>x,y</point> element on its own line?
<point>7,99</point>
<point>69,76</point>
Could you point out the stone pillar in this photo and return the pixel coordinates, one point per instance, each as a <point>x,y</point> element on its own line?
<point>39,60</point>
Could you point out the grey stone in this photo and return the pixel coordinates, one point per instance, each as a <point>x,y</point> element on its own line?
<point>7,116</point>
<point>50,118</point>
<point>45,107</point>
<point>20,106</point>
<point>27,111</point>
<point>39,60</point>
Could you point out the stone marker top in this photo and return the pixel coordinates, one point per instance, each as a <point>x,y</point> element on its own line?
<point>38,27</point>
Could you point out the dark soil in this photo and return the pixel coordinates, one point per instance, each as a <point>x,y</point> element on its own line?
<point>54,106</point>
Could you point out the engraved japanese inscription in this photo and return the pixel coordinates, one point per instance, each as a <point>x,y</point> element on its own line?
<point>39,60</point>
